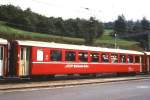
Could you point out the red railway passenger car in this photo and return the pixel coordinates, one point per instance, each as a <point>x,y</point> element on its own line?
<point>33,58</point>
<point>3,57</point>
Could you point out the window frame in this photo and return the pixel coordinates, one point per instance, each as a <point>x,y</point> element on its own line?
<point>120,58</point>
<point>128,59</point>
<point>107,53</point>
<point>52,49</point>
<point>99,57</point>
<point>84,52</point>
<point>66,50</point>
<point>117,57</point>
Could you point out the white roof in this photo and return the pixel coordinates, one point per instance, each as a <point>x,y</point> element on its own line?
<point>72,47</point>
<point>3,41</point>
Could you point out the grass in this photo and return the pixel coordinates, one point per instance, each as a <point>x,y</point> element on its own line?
<point>106,40</point>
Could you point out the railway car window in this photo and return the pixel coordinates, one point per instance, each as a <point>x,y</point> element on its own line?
<point>40,55</point>
<point>94,57</point>
<point>137,59</point>
<point>114,58</point>
<point>122,58</point>
<point>70,56</point>
<point>83,56</point>
<point>130,59</point>
<point>105,57</point>
<point>1,53</point>
<point>56,55</point>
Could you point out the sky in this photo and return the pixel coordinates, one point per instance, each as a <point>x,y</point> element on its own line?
<point>103,10</point>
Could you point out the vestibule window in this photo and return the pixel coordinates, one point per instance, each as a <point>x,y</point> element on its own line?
<point>40,55</point>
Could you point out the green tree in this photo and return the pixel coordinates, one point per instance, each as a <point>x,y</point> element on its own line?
<point>145,24</point>
<point>90,32</point>
<point>91,29</point>
<point>59,26</point>
<point>8,12</point>
<point>120,25</point>
<point>137,26</point>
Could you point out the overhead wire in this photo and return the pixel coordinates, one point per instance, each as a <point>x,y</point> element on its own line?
<point>83,11</point>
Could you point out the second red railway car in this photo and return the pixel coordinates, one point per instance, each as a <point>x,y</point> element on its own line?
<point>32,58</point>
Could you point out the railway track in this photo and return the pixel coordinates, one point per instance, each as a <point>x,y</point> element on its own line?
<point>63,83</point>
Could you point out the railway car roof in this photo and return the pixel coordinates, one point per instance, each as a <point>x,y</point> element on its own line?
<point>3,41</point>
<point>148,53</point>
<point>74,47</point>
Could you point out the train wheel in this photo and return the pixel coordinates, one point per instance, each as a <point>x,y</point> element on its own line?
<point>51,76</point>
<point>132,74</point>
<point>84,75</point>
<point>119,74</point>
<point>93,75</point>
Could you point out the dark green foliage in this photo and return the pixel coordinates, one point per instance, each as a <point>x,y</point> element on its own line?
<point>109,25</point>
<point>30,21</point>
<point>131,27</point>
<point>120,25</point>
<point>137,27</point>
<point>72,27</point>
<point>8,12</point>
<point>145,24</point>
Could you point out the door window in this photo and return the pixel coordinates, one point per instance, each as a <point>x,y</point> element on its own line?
<point>1,53</point>
<point>21,53</point>
<point>27,54</point>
